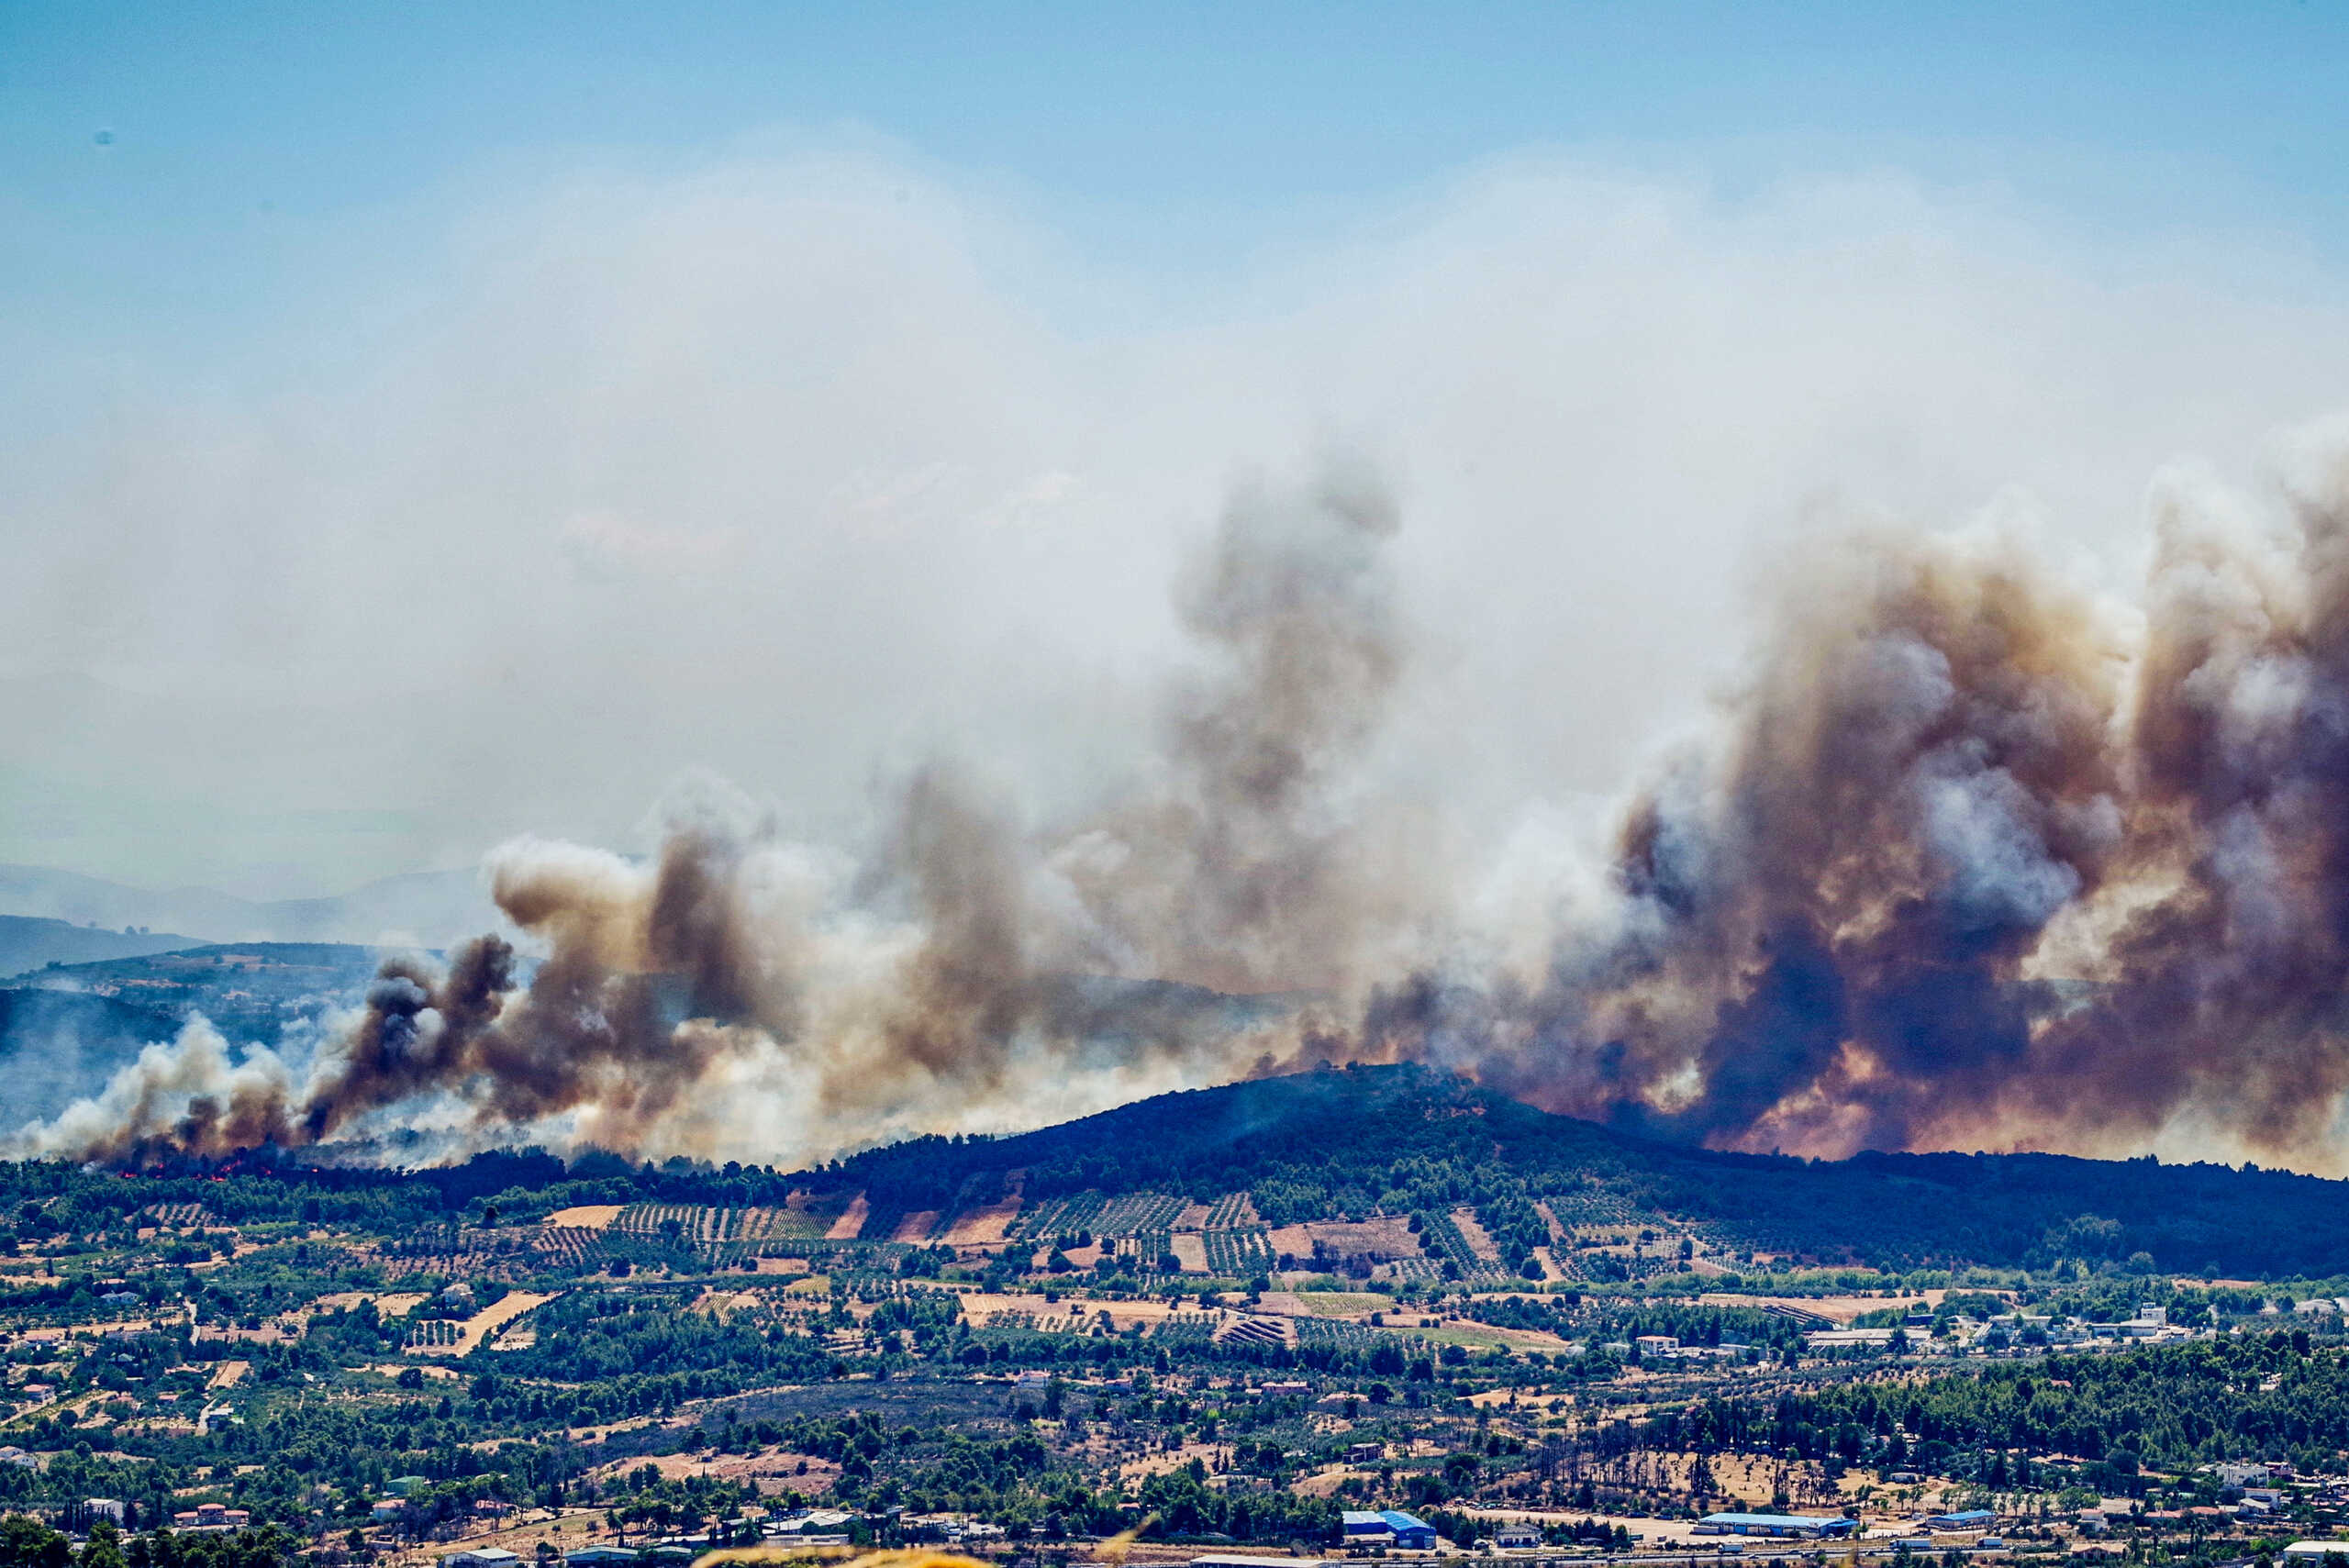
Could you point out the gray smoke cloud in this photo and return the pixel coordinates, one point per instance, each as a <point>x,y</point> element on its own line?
<point>958,970</point>
<point>1976,854</point>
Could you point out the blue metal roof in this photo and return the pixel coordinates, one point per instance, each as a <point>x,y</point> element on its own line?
<point>1402,1522</point>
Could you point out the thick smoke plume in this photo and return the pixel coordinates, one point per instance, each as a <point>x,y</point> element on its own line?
<point>1975,856</point>
<point>1979,859</point>
<point>969,968</point>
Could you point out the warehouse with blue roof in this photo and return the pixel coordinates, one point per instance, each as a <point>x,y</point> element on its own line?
<point>1801,1525</point>
<point>1969,1519</point>
<point>1361,1526</point>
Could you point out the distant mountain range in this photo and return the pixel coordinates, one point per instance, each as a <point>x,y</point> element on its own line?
<point>32,941</point>
<point>435,909</point>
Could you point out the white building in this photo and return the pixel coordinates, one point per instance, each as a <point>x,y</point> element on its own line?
<point>482,1557</point>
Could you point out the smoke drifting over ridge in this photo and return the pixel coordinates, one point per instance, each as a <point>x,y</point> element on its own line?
<point>1975,856</point>
<point>951,973</point>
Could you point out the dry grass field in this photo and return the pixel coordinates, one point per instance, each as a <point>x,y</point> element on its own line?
<point>984,1224</point>
<point>1838,1308</point>
<point>495,1315</point>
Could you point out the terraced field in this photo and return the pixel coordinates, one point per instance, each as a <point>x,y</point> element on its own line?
<point>1140,1213</point>
<point>571,1246</point>
<point>1185,1330</point>
<point>1444,1243</point>
<point>1058,1217</point>
<point>1232,1211</point>
<point>1337,1334</point>
<point>1243,1255</point>
<point>1136,1213</point>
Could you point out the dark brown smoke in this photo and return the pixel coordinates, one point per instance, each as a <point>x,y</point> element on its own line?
<point>626,1017</point>
<point>1975,862</point>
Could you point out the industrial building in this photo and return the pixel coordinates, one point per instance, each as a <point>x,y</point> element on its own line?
<point>482,1557</point>
<point>1387,1527</point>
<point>1802,1527</point>
<point>1969,1519</point>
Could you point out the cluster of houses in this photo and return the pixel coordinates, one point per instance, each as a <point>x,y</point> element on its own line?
<point>663,1554</point>
<point>399,1488</point>
<point>203,1517</point>
<point>580,1557</point>
<point>1668,1347</point>
<point>1962,1334</point>
<point>807,1528</point>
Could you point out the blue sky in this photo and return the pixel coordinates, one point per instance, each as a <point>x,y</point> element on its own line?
<point>423,423</point>
<point>254,149</point>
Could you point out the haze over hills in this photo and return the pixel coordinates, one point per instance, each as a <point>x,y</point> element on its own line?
<point>261,993</point>
<point>420,909</point>
<point>67,1028</point>
<point>102,969</point>
<point>32,941</point>
<point>57,1046</point>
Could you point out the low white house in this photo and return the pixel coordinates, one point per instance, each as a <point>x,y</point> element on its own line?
<point>482,1557</point>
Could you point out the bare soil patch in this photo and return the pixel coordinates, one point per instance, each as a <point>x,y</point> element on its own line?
<point>984,1224</point>
<point>493,1317</point>
<point>1479,1242</point>
<point>1838,1308</point>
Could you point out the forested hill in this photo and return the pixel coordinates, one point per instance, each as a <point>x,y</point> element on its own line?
<point>1456,1179</point>
<point>1405,1139</point>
